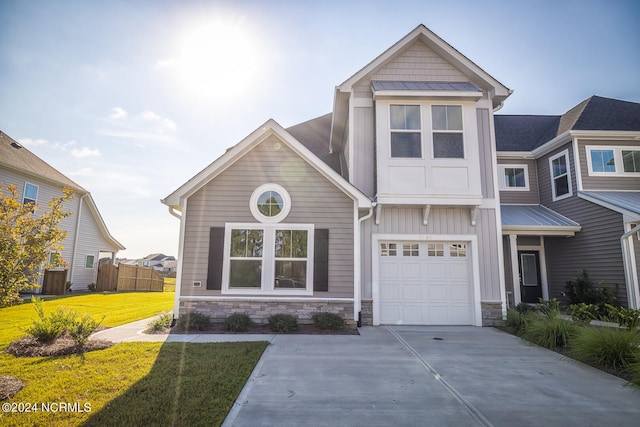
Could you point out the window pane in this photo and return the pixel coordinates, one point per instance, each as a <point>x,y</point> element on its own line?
<point>410,249</point>
<point>245,273</point>
<point>246,243</point>
<point>388,249</point>
<point>454,117</point>
<point>446,117</point>
<point>291,275</point>
<point>562,185</point>
<point>439,117</point>
<point>602,161</point>
<point>31,192</point>
<point>412,117</point>
<point>559,166</point>
<point>448,146</point>
<point>631,161</point>
<point>405,117</point>
<point>514,177</point>
<point>435,249</point>
<point>270,203</point>
<point>406,145</point>
<point>458,250</point>
<point>291,244</point>
<point>89,261</point>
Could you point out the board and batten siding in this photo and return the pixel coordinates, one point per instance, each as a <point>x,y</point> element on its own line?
<point>362,175</point>
<point>442,221</point>
<point>517,197</point>
<point>596,247</point>
<point>225,199</point>
<point>618,182</point>
<point>486,151</point>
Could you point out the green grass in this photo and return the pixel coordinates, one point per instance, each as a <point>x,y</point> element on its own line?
<point>118,309</point>
<point>612,348</point>
<point>169,284</point>
<point>136,384</point>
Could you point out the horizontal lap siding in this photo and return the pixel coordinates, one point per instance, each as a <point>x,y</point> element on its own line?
<point>441,221</point>
<point>530,197</point>
<point>606,182</point>
<point>314,200</point>
<point>596,247</point>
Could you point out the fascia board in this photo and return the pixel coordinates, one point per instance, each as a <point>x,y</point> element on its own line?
<point>551,145</point>
<point>583,134</point>
<point>537,230</point>
<point>449,94</point>
<point>503,155</point>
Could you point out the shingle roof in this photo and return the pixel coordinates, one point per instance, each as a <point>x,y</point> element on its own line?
<point>410,85</point>
<point>526,133</point>
<point>314,134</point>
<point>13,155</point>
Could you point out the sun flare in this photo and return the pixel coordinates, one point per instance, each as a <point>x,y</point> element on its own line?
<point>217,59</point>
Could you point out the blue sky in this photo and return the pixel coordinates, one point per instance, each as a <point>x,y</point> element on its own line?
<point>132,98</point>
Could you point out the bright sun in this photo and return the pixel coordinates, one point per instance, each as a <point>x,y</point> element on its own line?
<point>217,59</point>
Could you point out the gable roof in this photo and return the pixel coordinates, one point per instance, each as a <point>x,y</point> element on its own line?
<point>16,157</point>
<point>270,128</point>
<point>526,133</point>
<point>314,134</point>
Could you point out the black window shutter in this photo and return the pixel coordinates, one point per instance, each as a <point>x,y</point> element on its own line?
<point>321,260</point>
<point>216,257</point>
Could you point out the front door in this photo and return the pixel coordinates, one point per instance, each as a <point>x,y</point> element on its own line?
<point>530,284</point>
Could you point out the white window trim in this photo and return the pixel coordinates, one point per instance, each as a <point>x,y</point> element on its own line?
<point>268,259</point>
<point>93,264</point>
<point>503,186</point>
<point>462,131</point>
<point>420,131</point>
<point>555,198</point>
<point>617,157</point>
<point>253,203</point>
<point>24,192</point>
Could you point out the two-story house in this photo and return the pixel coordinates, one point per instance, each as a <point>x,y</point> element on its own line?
<point>570,195</point>
<point>398,207</point>
<point>88,240</point>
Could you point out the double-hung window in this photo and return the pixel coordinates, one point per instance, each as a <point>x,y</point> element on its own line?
<point>448,142</point>
<point>30,194</point>
<point>560,175</point>
<point>406,131</point>
<point>268,258</point>
<point>610,161</point>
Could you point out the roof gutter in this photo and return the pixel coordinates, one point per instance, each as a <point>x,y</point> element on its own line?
<point>174,212</point>
<point>633,293</point>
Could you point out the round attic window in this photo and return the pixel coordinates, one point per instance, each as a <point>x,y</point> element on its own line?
<point>270,203</point>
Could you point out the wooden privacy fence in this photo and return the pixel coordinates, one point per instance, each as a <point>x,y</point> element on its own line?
<point>128,278</point>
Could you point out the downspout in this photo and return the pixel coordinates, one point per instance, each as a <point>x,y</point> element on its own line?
<point>75,239</point>
<point>357,271</point>
<point>632,285</point>
<point>173,212</point>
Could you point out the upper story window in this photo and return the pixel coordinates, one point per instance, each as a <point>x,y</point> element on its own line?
<point>30,194</point>
<point>270,203</point>
<point>447,131</point>
<point>560,175</point>
<point>613,160</point>
<point>513,177</point>
<point>406,135</point>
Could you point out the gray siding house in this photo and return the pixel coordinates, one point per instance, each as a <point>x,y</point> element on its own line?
<point>88,240</point>
<point>405,205</point>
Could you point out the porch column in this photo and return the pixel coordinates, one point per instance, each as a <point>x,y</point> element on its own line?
<point>515,276</point>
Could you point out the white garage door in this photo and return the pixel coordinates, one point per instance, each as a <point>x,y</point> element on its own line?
<point>425,283</point>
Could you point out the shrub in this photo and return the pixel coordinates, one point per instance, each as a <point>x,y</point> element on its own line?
<point>550,332</point>
<point>160,323</point>
<point>548,307</point>
<point>68,286</point>
<point>525,308</point>
<point>46,329</point>
<point>332,321</point>
<point>91,287</point>
<point>194,321</point>
<point>283,323</point>
<point>608,347</point>
<point>581,289</point>
<point>626,317</point>
<point>583,313</point>
<point>80,327</point>
<point>238,322</point>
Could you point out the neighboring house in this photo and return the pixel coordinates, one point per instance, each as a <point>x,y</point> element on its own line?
<point>88,241</point>
<point>570,194</point>
<point>157,261</point>
<point>388,209</point>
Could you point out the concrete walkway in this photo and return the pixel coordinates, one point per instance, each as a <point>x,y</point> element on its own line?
<point>416,376</point>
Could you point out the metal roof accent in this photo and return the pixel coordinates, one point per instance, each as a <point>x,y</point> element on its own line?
<point>424,86</point>
<point>619,201</point>
<point>536,218</point>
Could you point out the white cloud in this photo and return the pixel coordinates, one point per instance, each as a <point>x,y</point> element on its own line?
<point>162,124</point>
<point>85,152</point>
<point>119,113</point>
<point>150,115</point>
<point>46,144</point>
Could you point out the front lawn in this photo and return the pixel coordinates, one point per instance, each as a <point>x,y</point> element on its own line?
<point>177,384</point>
<point>129,383</point>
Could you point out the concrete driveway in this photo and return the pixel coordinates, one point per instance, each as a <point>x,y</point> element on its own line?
<point>427,376</point>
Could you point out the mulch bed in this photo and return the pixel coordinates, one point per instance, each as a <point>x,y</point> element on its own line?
<point>219,328</point>
<point>28,346</point>
<point>9,386</point>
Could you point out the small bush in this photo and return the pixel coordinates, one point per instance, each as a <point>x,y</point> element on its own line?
<point>330,321</point>
<point>80,327</point>
<point>583,313</point>
<point>283,323</point>
<point>46,329</point>
<point>525,308</point>
<point>582,289</point>
<point>68,286</point>
<point>626,317</point>
<point>609,347</point>
<point>194,321</point>
<point>548,307</point>
<point>238,322</point>
<point>160,323</point>
<point>550,332</point>
<point>91,287</point>
<point>517,320</point>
